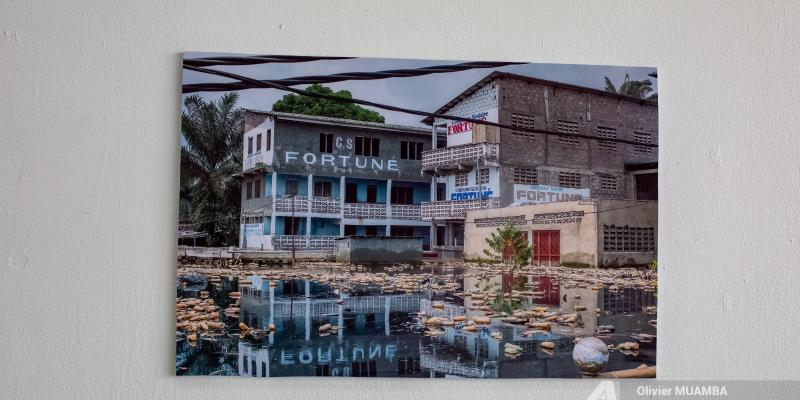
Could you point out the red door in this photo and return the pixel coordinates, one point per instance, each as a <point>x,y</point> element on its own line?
<point>546,247</point>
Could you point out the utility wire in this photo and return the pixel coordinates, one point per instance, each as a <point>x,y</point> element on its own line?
<point>346,76</point>
<point>273,85</point>
<point>251,60</point>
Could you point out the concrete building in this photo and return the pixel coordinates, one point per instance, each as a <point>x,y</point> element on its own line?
<point>585,232</point>
<point>309,180</point>
<point>484,167</point>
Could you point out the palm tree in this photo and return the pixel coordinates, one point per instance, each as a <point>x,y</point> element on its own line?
<point>636,89</point>
<point>210,155</point>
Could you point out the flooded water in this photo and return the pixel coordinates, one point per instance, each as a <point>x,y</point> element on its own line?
<point>378,322</point>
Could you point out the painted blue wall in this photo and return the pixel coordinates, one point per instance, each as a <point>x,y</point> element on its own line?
<point>335,189</point>
<point>302,184</point>
<point>361,189</point>
<point>280,224</point>
<point>324,227</point>
<point>267,185</point>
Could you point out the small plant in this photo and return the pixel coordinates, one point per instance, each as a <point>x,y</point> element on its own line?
<point>508,245</point>
<point>574,264</point>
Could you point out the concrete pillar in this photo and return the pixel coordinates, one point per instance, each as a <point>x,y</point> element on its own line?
<point>308,309</point>
<point>341,205</point>
<point>388,206</point>
<point>432,238</point>
<point>386,309</point>
<point>274,196</point>
<point>310,195</point>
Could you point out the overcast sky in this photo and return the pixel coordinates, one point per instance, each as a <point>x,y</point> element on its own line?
<point>426,93</point>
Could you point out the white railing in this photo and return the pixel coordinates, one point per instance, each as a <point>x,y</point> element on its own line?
<point>283,203</point>
<point>451,157</point>
<point>365,210</point>
<point>326,205</point>
<point>406,211</point>
<point>456,209</point>
<point>304,243</point>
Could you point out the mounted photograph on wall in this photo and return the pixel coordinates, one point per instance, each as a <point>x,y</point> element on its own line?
<point>370,217</point>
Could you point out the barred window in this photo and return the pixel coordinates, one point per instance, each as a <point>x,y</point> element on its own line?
<point>483,176</point>
<point>569,179</point>
<point>642,150</point>
<point>567,127</point>
<point>524,122</point>
<point>461,180</point>
<point>608,182</point>
<point>642,137</point>
<point>606,145</point>
<point>628,239</point>
<point>606,132</point>
<point>525,176</point>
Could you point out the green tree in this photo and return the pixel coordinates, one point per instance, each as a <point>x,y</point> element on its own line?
<point>637,89</point>
<point>210,156</point>
<point>509,246</point>
<point>301,104</point>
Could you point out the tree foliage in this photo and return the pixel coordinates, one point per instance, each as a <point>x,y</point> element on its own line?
<point>300,104</point>
<point>637,89</point>
<point>210,156</point>
<point>509,246</point>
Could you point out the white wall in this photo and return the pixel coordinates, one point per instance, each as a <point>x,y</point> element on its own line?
<point>89,122</point>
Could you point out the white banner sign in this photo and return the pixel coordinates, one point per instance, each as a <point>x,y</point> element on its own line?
<point>460,132</point>
<point>538,194</point>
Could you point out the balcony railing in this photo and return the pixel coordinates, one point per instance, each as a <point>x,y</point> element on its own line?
<point>326,205</point>
<point>304,243</point>
<point>365,210</point>
<point>455,156</point>
<point>283,203</point>
<point>406,211</point>
<point>456,209</point>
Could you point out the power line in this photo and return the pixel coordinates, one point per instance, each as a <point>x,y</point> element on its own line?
<point>279,86</point>
<point>345,76</point>
<point>252,60</point>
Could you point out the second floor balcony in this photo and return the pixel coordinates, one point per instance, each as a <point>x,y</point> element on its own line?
<point>456,209</point>
<point>460,157</point>
<point>336,208</point>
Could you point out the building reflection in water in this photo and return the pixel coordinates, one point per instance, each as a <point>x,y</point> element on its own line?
<point>380,335</point>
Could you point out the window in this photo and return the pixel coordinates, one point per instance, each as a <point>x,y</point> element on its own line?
<point>525,175</point>
<point>249,145</point>
<point>258,143</point>
<point>567,127</point>
<point>350,230</point>
<point>257,190</point>
<point>269,139</point>
<point>402,231</point>
<point>628,239</point>
<point>642,137</point>
<point>351,193</point>
<point>402,195</point>
<point>483,176</point>
<point>249,190</point>
<point>366,146</point>
<point>322,189</point>
<point>642,150</point>
<point>326,143</point>
<point>569,179</point>
<point>372,194</point>
<point>410,150</point>
<point>524,122</point>
<point>291,226</point>
<point>372,230</point>
<point>606,132</point>
<point>608,182</point>
<point>462,180</point>
<point>291,187</point>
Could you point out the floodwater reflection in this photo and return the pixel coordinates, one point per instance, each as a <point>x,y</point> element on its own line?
<point>384,330</point>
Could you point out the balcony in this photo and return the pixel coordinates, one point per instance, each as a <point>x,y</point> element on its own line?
<point>406,211</point>
<point>283,203</point>
<point>326,205</point>
<point>460,157</point>
<point>304,243</point>
<point>456,209</point>
<point>365,210</point>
